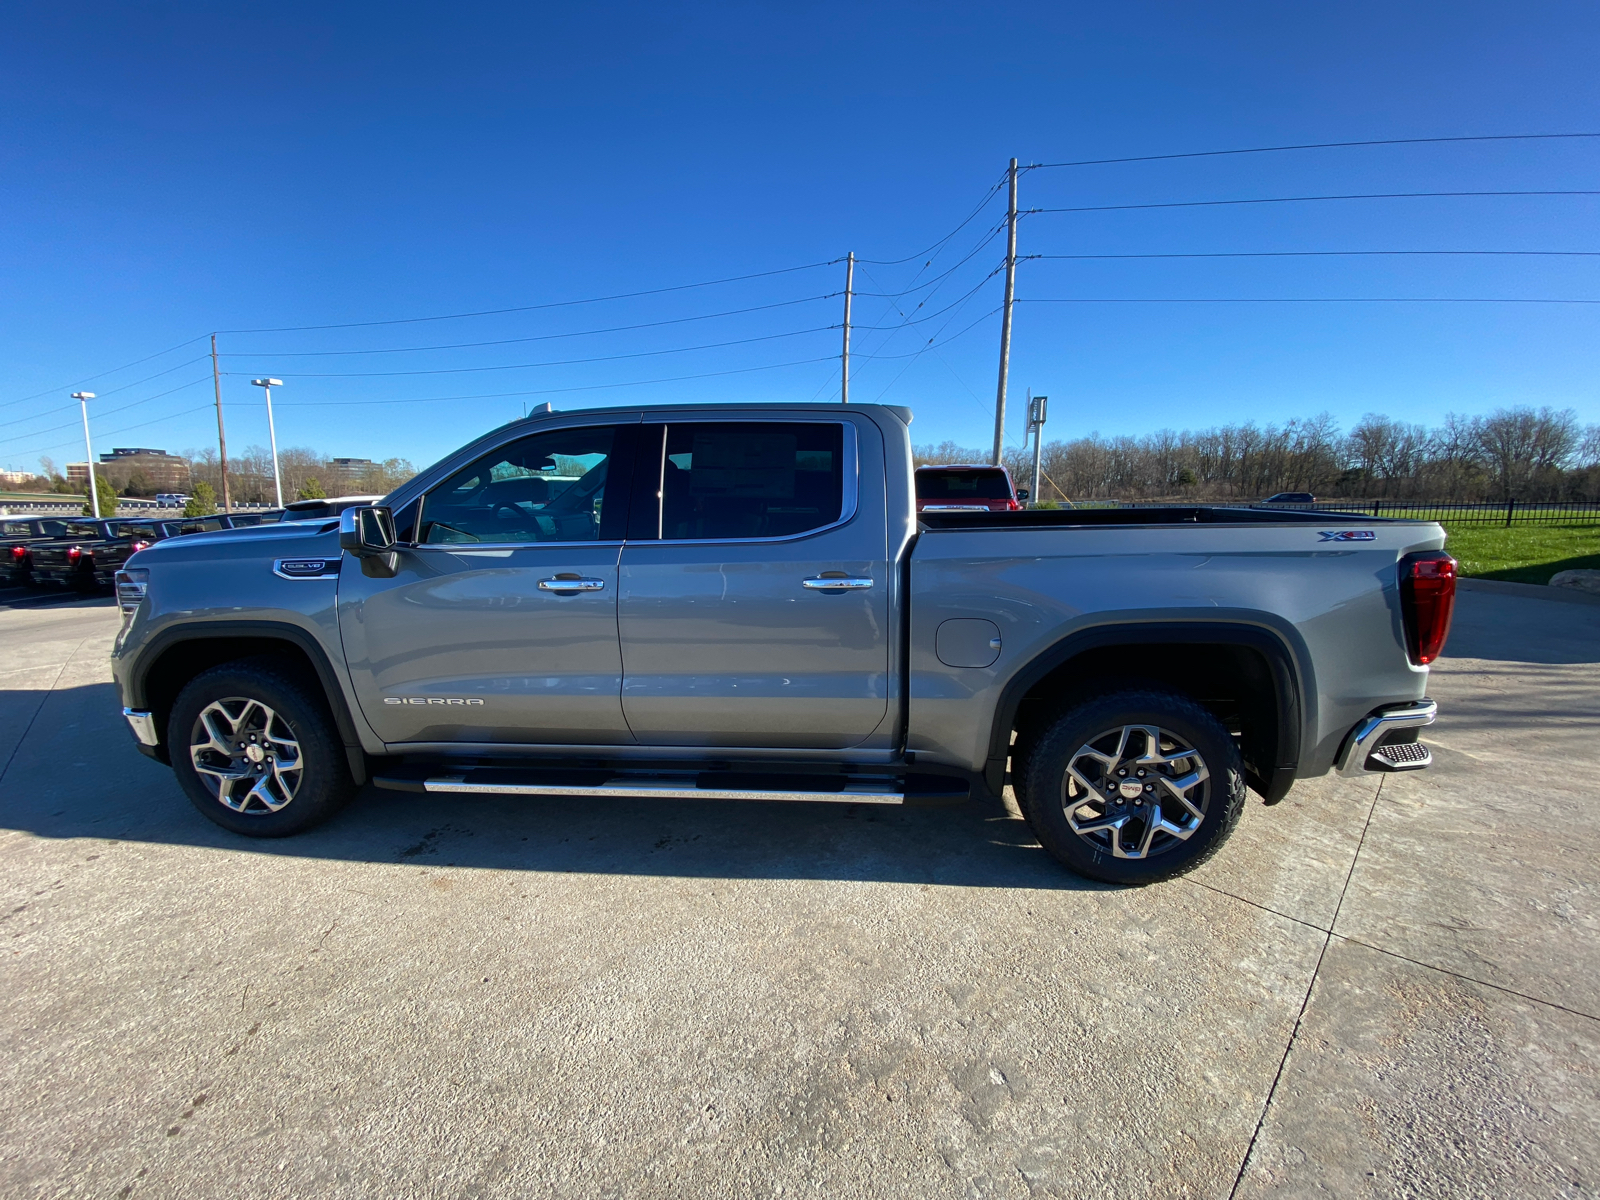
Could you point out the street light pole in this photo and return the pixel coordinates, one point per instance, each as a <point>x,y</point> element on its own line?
<point>1036,415</point>
<point>83,399</point>
<point>266,385</point>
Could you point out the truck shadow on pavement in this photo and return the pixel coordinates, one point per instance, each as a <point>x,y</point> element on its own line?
<point>75,773</point>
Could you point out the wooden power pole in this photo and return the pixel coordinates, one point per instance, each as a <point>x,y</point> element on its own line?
<point>849,287</point>
<point>1005,319</point>
<point>222,438</point>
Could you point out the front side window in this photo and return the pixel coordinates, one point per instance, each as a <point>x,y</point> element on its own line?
<point>725,480</point>
<point>550,487</point>
<point>83,529</point>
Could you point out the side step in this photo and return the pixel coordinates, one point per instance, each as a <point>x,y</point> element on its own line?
<point>913,790</point>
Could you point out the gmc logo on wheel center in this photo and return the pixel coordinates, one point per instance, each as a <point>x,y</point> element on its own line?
<point>432,700</point>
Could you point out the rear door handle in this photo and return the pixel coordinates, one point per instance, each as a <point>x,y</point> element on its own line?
<point>825,583</point>
<point>571,584</point>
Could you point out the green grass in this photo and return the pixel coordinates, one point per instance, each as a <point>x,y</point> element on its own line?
<point>1523,553</point>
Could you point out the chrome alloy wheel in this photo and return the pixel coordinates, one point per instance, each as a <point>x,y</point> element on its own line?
<point>246,755</point>
<point>1136,791</point>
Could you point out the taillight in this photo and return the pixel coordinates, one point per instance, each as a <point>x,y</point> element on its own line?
<point>74,553</point>
<point>138,546</point>
<point>1427,601</point>
<point>19,553</point>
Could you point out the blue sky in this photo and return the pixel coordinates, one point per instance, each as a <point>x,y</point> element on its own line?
<point>170,170</point>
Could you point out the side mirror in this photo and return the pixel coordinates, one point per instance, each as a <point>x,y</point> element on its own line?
<point>1022,495</point>
<point>367,532</point>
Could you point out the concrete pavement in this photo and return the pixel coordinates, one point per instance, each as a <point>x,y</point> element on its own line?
<point>1384,991</point>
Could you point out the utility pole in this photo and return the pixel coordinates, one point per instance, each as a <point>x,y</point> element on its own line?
<point>849,287</point>
<point>83,399</point>
<point>1005,319</point>
<point>1036,416</point>
<point>222,438</point>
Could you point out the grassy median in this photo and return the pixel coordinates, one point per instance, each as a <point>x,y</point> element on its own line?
<point>1523,553</point>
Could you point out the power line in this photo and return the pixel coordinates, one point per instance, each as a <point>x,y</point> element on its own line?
<point>496,312</point>
<point>982,204</point>
<point>828,358</point>
<point>1492,137</point>
<point>102,375</point>
<point>1299,300</point>
<point>1329,254</point>
<point>1298,199</point>
<point>115,432</point>
<point>543,337</point>
<point>564,362</point>
<point>31,433</point>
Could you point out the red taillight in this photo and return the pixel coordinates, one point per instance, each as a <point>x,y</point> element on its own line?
<point>19,552</point>
<point>138,546</point>
<point>74,553</point>
<point>1428,599</point>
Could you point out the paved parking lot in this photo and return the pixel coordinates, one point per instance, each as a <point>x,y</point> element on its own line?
<point>1374,990</point>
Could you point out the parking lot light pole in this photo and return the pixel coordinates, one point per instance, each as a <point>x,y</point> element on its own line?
<point>1036,415</point>
<point>266,385</point>
<point>83,399</point>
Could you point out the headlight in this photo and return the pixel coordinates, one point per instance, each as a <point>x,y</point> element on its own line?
<point>131,587</point>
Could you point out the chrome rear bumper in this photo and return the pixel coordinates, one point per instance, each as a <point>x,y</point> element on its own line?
<point>1364,750</point>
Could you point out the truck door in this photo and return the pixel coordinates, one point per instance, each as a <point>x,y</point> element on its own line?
<point>754,589</point>
<point>501,624</point>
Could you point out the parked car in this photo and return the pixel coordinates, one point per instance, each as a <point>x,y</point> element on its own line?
<point>967,489</point>
<point>321,510</point>
<point>1291,498</point>
<point>89,552</point>
<point>171,500</point>
<point>743,603</point>
<point>17,538</point>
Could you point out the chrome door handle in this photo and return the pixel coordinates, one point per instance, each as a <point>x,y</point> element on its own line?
<point>571,585</point>
<point>823,583</point>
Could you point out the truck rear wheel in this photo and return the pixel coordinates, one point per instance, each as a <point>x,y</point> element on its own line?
<point>256,750</point>
<point>1133,787</point>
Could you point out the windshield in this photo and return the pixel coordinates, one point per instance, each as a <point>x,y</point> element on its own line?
<point>976,484</point>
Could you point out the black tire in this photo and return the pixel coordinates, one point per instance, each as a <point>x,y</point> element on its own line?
<point>1084,735</point>
<point>296,715</point>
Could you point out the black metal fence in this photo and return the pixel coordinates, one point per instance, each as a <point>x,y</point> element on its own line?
<point>1493,512</point>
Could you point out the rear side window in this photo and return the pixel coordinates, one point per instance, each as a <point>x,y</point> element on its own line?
<point>15,529</point>
<point>82,529</point>
<point>729,480</point>
<point>963,485</point>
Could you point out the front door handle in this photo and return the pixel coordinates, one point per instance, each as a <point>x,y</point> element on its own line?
<point>571,583</point>
<point>844,582</point>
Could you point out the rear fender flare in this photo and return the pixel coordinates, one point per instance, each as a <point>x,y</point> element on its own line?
<point>1284,652</point>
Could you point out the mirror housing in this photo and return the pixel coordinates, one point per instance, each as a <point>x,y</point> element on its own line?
<point>367,531</point>
<point>1022,495</point>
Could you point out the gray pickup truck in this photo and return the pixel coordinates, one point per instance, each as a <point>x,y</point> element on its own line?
<point>743,603</point>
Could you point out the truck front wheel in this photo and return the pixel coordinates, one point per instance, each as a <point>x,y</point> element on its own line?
<point>1133,787</point>
<point>255,750</point>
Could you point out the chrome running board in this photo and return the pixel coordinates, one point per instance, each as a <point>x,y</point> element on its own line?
<point>909,789</point>
<point>857,792</point>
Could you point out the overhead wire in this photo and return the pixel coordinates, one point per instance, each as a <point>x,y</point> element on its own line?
<point>557,391</point>
<point>565,362</point>
<point>496,312</point>
<point>1322,254</point>
<point>1488,137</point>
<point>1293,200</point>
<point>101,375</point>
<point>1298,300</point>
<point>32,433</point>
<point>543,337</point>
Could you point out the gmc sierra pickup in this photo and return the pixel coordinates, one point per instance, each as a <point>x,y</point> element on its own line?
<point>743,603</point>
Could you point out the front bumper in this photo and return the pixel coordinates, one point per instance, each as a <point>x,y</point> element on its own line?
<point>143,724</point>
<point>1384,741</point>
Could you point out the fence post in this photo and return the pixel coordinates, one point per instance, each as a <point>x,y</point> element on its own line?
<point>1376,505</point>
<point>1511,506</point>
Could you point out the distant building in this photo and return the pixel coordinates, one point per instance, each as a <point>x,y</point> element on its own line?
<point>78,474</point>
<point>14,477</point>
<point>345,474</point>
<point>162,472</point>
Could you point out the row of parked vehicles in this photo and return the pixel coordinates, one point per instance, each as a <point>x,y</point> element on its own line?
<point>84,554</point>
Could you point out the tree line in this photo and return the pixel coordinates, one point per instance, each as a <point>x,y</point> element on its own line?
<point>307,474</point>
<point>1512,453</point>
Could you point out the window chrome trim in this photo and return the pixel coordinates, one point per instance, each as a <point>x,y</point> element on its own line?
<point>849,490</point>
